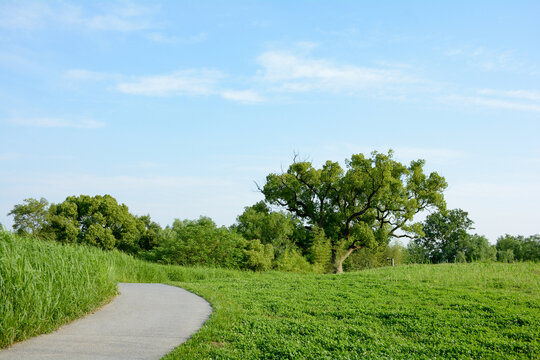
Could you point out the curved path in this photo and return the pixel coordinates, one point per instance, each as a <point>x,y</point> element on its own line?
<point>146,321</point>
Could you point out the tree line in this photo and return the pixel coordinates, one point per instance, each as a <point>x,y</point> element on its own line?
<point>328,219</point>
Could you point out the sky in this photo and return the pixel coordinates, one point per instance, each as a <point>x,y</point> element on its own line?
<point>178,109</point>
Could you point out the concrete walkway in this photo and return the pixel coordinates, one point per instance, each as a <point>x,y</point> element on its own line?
<point>146,321</point>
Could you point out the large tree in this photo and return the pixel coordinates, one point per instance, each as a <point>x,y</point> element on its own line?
<point>372,200</point>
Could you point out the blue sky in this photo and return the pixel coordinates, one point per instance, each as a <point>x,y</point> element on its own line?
<point>177,108</point>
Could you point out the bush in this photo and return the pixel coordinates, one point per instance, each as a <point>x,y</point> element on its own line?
<point>292,261</point>
<point>199,242</point>
<point>320,252</point>
<point>259,256</point>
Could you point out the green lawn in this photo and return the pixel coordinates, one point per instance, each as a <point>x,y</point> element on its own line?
<point>481,310</point>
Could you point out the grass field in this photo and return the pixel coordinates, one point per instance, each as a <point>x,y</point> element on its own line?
<point>481,310</point>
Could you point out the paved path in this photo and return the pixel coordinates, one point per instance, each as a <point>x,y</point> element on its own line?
<point>146,321</point>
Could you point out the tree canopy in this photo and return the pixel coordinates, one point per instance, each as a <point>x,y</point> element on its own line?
<point>447,239</point>
<point>30,217</point>
<point>372,200</point>
<point>93,220</point>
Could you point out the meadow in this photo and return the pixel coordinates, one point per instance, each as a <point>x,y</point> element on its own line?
<point>476,310</point>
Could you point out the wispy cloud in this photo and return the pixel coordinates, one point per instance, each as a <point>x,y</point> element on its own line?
<point>291,72</point>
<point>29,15</point>
<point>489,60</point>
<point>113,16</point>
<point>167,39</point>
<point>58,123</point>
<point>245,96</point>
<point>88,75</point>
<point>519,100</point>
<point>516,94</point>
<point>184,82</point>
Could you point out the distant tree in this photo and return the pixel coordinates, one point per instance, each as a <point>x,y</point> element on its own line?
<point>149,232</point>
<point>417,254</point>
<point>519,248</point>
<point>479,249</point>
<point>259,222</point>
<point>30,217</point>
<point>445,234</point>
<point>446,239</point>
<point>374,200</point>
<point>200,242</point>
<point>531,248</point>
<point>98,221</point>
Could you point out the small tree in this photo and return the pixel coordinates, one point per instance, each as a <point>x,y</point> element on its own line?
<point>259,256</point>
<point>30,217</point>
<point>258,222</point>
<point>445,234</point>
<point>320,252</point>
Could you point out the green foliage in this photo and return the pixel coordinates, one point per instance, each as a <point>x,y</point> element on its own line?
<point>479,249</point>
<point>320,252</point>
<point>361,207</point>
<point>446,239</point>
<point>519,248</point>
<point>44,285</point>
<point>506,256</point>
<point>291,260</point>
<point>259,256</point>
<point>30,217</point>
<point>199,242</point>
<point>417,254</point>
<point>259,222</point>
<point>478,310</point>
<point>445,235</point>
<point>447,311</point>
<point>95,220</point>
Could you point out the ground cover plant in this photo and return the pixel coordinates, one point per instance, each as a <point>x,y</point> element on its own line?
<point>478,310</point>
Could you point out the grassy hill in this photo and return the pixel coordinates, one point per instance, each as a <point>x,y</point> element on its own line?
<point>480,310</point>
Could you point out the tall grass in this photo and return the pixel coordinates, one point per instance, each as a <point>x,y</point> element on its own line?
<point>43,285</point>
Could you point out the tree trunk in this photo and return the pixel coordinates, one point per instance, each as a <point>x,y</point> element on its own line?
<point>338,263</point>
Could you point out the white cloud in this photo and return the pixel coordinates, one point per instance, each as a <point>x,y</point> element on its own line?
<point>58,123</point>
<point>166,39</point>
<point>244,96</point>
<point>296,73</point>
<point>119,16</point>
<point>497,103</point>
<point>184,82</point>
